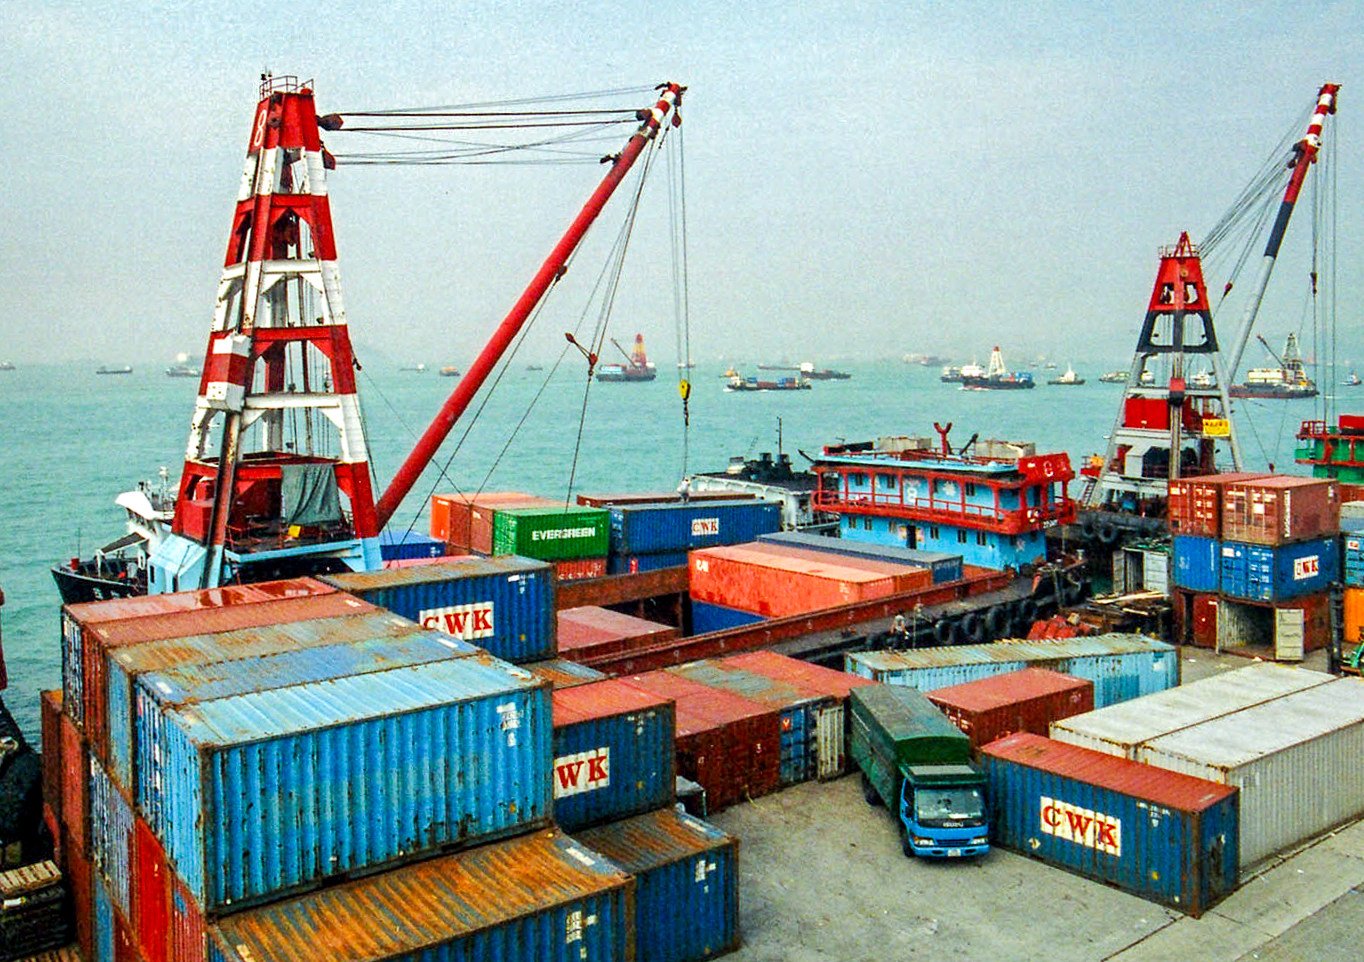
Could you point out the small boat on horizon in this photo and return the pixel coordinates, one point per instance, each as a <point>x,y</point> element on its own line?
<point>107,369</point>
<point>1069,378</point>
<point>182,367</point>
<point>1114,377</point>
<point>6,366</point>
<point>449,371</point>
<point>414,368</point>
<point>1352,381</point>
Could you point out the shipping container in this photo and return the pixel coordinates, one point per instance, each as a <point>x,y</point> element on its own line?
<point>1352,632</point>
<point>1123,729</point>
<point>409,545</point>
<point>203,667</point>
<point>103,922</point>
<point>1197,563</point>
<point>465,521</point>
<point>633,564</point>
<point>578,569</point>
<point>775,587</point>
<point>1121,666</point>
<point>656,497</point>
<point>613,753</point>
<point>682,526</point>
<point>1205,621</point>
<point>1279,510</point>
<point>1166,837</point>
<point>561,673</point>
<point>1295,759</point>
<point>542,896</point>
<point>111,837</point>
<point>800,673</point>
<point>799,711</point>
<point>592,632</point>
<point>102,640</point>
<point>905,577</point>
<point>505,605</point>
<point>706,618</point>
<point>1353,573</point>
<point>188,933</point>
<point>552,533</point>
<point>945,567</point>
<point>728,744</point>
<point>1194,505</point>
<point>214,604</point>
<point>151,895</point>
<point>1021,701</point>
<point>1155,570</point>
<point>1262,573</point>
<point>1285,631</point>
<point>686,883</point>
<point>80,875</point>
<point>75,808</point>
<point>50,717</point>
<point>362,772</point>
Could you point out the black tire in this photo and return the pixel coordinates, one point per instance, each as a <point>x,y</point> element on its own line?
<point>1106,532</point>
<point>1027,611</point>
<point>869,792</point>
<point>904,840</point>
<point>942,631</point>
<point>973,627</point>
<point>997,621</point>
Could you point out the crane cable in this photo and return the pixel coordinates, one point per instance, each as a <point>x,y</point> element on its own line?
<point>677,213</point>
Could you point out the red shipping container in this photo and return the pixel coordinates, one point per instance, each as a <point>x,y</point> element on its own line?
<point>50,715</point>
<point>1195,504</point>
<point>75,807</point>
<point>188,941</point>
<point>465,521</point>
<point>1147,412</point>
<point>802,674</point>
<point>1205,621</point>
<point>1280,510</point>
<point>591,632</point>
<point>1018,701</point>
<point>577,569</point>
<point>150,893</point>
<point>775,587</point>
<point>906,577</point>
<point>125,944</point>
<point>54,829</point>
<point>145,606</point>
<point>181,624</point>
<point>80,877</point>
<point>726,743</point>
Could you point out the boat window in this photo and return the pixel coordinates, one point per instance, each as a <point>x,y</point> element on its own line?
<point>961,537</point>
<point>980,538</point>
<point>886,481</point>
<point>857,479</point>
<point>933,532</point>
<point>866,523</point>
<point>970,490</point>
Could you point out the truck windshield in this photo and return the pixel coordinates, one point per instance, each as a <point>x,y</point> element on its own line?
<point>935,806</point>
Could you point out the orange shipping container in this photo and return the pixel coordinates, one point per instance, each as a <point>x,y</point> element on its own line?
<point>1195,504</point>
<point>907,577</point>
<point>577,569</point>
<point>776,587</point>
<point>1280,510</point>
<point>465,521</point>
<point>588,633</point>
<point>1354,618</point>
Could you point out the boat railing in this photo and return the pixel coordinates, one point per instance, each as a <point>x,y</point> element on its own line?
<point>988,517</point>
<point>283,84</point>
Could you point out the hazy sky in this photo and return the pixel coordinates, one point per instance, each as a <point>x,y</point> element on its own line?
<point>863,177</point>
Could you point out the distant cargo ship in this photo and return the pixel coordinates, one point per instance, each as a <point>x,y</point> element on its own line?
<point>1286,382</point>
<point>741,383</point>
<point>449,371</point>
<point>808,371</point>
<point>6,366</point>
<point>638,367</point>
<point>997,377</point>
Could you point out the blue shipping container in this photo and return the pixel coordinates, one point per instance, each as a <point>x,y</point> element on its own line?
<point>629,564</point>
<point>945,567</point>
<point>1167,837</point>
<point>1261,573</point>
<point>407,545</point>
<point>125,665</point>
<point>686,883</point>
<point>1122,667</point>
<point>104,921</point>
<point>503,604</point>
<point>1353,545</point>
<point>542,896</point>
<point>111,835</point>
<point>1196,562</point>
<point>682,526</point>
<point>613,753</point>
<point>260,795</point>
<point>706,618</point>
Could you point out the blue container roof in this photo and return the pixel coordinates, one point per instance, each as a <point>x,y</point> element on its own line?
<point>440,569</point>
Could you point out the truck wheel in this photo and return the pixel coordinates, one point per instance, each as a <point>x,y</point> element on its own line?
<point>905,847</point>
<point>869,791</point>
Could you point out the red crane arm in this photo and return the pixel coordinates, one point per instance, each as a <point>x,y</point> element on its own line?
<point>459,399</point>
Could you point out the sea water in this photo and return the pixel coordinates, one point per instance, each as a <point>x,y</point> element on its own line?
<point>70,441</point>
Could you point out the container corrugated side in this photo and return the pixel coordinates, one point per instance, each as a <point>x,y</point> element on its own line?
<point>1121,666</point>
<point>1021,701</point>
<point>1280,509</point>
<point>50,717</point>
<point>686,883</point>
<point>633,564</point>
<point>1165,837</point>
<point>1196,563</point>
<point>1263,573</point>
<point>358,773</point>
<point>595,632</point>
<point>561,673</point>
<point>1296,760</point>
<point>543,896</point>
<point>505,605</point>
<point>767,585</point>
<point>1194,505</point>
<point>1353,571</point>
<point>1122,729</point>
<point>553,534</point>
<point>111,837</point>
<point>706,618</point>
<point>407,545</point>
<point>613,753</point>
<point>104,921</point>
<point>945,567</point>
<point>189,659</point>
<point>465,521</point>
<point>905,577</point>
<point>652,528</point>
<point>75,810</point>
<point>151,895</point>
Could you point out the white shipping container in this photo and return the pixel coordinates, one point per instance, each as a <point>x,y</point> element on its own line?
<point>1123,728</point>
<point>1351,515</point>
<point>1298,761</point>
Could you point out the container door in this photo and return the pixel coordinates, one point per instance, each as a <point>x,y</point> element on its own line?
<point>832,750</point>
<point>1155,571</point>
<point>1288,634</point>
<point>1120,572</point>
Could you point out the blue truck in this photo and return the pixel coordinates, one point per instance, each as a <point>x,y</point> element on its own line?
<point>918,764</point>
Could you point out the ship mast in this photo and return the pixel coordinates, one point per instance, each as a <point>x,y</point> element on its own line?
<point>1304,155</point>
<point>550,271</point>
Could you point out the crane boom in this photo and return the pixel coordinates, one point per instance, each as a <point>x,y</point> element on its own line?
<point>1304,154</point>
<point>458,401</point>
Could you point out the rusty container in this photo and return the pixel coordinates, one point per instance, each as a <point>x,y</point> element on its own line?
<point>765,584</point>
<point>1020,701</point>
<point>592,632</point>
<point>1280,510</point>
<point>465,521</point>
<point>1195,504</point>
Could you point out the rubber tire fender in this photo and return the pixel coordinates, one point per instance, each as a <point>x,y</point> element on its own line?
<point>1027,611</point>
<point>997,621</point>
<point>1106,532</point>
<point>943,630</point>
<point>973,627</point>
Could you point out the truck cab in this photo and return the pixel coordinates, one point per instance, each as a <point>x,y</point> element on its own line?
<point>942,811</point>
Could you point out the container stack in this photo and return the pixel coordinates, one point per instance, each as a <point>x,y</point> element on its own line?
<point>1254,557</point>
<point>1352,630</point>
<point>743,584</point>
<point>591,633</point>
<point>1120,666</point>
<point>573,539</point>
<point>649,536</point>
<point>1020,701</point>
<point>945,567</point>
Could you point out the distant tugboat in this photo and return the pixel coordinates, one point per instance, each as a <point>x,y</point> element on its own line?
<point>1114,377</point>
<point>1286,382</point>
<point>1069,378</point>
<point>638,368</point>
<point>1352,381</point>
<point>449,371</point>
<point>997,377</point>
<point>182,367</point>
<point>6,366</point>
<point>414,368</point>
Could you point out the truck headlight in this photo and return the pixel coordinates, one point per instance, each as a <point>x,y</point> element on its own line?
<point>923,841</point>
<point>981,840</point>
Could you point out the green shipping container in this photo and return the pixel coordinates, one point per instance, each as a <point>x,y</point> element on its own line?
<point>552,534</point>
